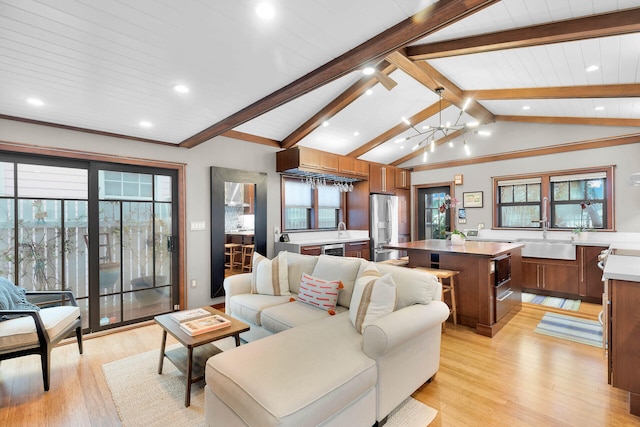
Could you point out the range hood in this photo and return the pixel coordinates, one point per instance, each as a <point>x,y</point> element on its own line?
<point>234,194</point>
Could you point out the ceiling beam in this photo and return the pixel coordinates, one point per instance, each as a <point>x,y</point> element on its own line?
<point>594,121</point>
<point>439,142</point>
<point>559,92</point>
<point>542,151</point>
<point>251,138</point>
<point>398,129</point>
<point>607,24</point>
<point>437,16</point>
<point>335,106</point>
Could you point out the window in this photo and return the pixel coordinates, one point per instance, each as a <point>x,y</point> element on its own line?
<point>308,208</point>
<point>573,199</point>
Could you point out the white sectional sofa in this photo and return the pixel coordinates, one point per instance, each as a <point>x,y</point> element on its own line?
<point>304,366</point>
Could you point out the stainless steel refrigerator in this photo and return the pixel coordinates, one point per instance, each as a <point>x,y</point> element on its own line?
<point>383,223</point>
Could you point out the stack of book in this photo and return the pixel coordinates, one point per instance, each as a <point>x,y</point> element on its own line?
<point>199,321</point>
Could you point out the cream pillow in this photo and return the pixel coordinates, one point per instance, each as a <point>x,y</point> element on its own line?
<point>344,269</point>
<point>270,277</point>
<point>374,295</point>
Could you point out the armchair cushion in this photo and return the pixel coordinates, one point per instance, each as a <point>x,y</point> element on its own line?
<point>21,332</point>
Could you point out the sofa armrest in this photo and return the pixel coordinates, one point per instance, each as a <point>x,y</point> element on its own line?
<point>235,285</point>
<point>396,328</point>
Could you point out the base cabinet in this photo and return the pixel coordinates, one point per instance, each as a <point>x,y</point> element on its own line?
<point>358,249</point>
<point>550,275</point>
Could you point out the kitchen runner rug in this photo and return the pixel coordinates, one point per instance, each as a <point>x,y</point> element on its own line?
<point>570,328</point>
<point>563,303</point>
<point>144,398</point>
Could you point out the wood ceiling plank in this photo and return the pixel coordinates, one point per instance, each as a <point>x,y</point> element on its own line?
<point>561,148</point>
<point>398,129</point>
<point>559,92</point>
<point>607,24</point>
<point>335,106</point>
<point>595,121</point>
<point>433,18</point>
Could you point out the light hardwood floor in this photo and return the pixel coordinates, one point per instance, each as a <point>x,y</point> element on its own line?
<point>518,378</point>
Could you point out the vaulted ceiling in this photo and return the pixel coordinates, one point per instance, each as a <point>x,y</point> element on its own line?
<point>297,78</point>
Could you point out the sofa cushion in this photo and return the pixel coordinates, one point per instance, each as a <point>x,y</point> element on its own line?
<point>374,295</point>
<point>297,265</point>
<point>285,316</point>
<point>270,277</point>
<point>339,268</point>
<point>21,331</point>
<point>301,376</point>
<point>319,293</point>
<point>249,306</point>
<point>412,286</point>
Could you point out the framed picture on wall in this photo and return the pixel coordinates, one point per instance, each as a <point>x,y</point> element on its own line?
<point>472,200</point>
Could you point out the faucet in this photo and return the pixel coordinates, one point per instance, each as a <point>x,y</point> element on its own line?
<point>344,228</point>
<point>543,221</point>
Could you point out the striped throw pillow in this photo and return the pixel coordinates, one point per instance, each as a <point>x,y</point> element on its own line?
<point>374,295</point>
<point>270,277</point>
<point>319,292</point>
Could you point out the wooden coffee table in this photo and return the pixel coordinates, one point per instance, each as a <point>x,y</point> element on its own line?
<point>192,357</point>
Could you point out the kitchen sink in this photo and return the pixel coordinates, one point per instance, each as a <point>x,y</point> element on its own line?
<point>545,248</point>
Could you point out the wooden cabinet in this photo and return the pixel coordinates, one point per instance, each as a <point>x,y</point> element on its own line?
<point>347,164</point>
<point>381,179</point>
<point>403,178</point>
<point>361,167</point>
<point>551,275</point>
<point>311,250</point>
<point>623,331</point>
<point>591,286</point>
<point>310,160</point>
<point>358,249</point>
<point>249,199</point>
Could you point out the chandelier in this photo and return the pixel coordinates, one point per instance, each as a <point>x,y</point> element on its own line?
<point>429,133</point>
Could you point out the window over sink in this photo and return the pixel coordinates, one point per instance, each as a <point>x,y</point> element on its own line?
<point>310,207</point>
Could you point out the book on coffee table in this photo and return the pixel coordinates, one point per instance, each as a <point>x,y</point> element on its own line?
<point>187,315</point>
<point>205,324</point>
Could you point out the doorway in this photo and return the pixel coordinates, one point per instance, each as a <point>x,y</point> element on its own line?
<point>433,221</point>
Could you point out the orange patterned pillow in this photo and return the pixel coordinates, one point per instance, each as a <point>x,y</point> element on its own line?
<point>319,293</point>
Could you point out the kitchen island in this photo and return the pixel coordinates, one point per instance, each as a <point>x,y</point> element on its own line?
<point>489,286</point>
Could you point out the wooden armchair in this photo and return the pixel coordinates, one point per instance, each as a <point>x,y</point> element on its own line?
<point>37,332</point>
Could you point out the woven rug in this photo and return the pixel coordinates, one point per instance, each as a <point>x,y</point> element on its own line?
<point>144,398</point>
<point>563,303</point>
<point>570,328</point>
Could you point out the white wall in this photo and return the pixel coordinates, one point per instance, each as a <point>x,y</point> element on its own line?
<point>223,152</point>
<point>478,178</point>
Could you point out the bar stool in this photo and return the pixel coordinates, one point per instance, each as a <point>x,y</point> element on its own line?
<point>231,250</point>
<point>448,287</point>
<point>247,257</point>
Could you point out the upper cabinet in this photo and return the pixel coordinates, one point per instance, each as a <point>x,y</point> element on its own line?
<point>381,179</point>
<point>310,160</point>
<point>403,179</point>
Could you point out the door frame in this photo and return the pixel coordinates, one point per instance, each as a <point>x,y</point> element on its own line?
<point>416,212</point>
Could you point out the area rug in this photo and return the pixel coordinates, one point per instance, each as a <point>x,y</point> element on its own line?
<point>570,328</point>
<point>144,398</point>
<point>563,303</point>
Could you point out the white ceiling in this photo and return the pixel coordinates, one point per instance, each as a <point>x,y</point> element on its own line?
<point>107,65</point>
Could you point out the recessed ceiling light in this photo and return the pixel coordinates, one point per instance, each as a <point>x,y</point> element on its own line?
<point>325,124</point>
<point>591,68</point>
<point>599,108</point>
<point>356,133</point>
<point>368,92</point>
<point>367,71</point>
<point>526,107</point>
<point>35,102</point>
<point>145,124</point>
<point>265,10</point>
<point>180,88</point>
<point>402,147</point>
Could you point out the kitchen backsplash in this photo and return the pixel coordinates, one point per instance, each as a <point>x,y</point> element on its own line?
<point>234,219</point>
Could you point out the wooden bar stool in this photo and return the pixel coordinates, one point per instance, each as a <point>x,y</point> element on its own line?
<point>247,257</point>
<point>448,287</point>
<point>232,250</point>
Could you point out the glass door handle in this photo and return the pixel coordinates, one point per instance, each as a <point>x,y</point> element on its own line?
<point>171,243</point>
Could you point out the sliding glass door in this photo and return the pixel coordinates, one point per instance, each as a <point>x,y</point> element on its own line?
<point>105,232</point>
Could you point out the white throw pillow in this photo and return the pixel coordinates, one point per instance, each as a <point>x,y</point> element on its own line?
<point>270,277</point>
<point>319,292</point>
<point>374,295</point>
<point>344,269</point>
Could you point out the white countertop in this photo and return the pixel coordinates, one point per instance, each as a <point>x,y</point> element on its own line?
<point>622,267</point>
<point>326,237</point>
